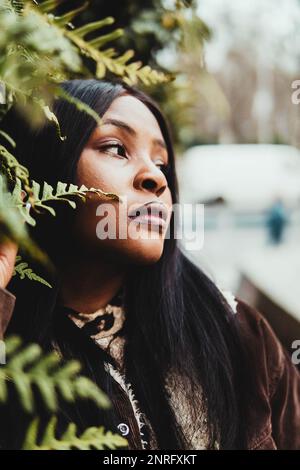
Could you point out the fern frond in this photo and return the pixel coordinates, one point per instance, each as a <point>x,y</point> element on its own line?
<point>50,116</point>
<point>91,438</point>
<point>94,26</point>
<point>18,6</point>
<point>49,5</point>
<point>12,225</point>
<point>41,197</point>
<point>16,201</point>
<point>15,6</point>
<point>40,49</point>
<point>65,20</point>
<point>16,170</point>
<point>28,369</point>
<point>23,270</point>
<point>109,60</point>
<point>106,60</point>
<point>62,193</point>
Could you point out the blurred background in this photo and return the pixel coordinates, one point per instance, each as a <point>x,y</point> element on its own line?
<point>237,134</point>
<point>244,163</point>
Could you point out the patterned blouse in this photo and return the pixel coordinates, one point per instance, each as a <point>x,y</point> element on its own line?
<point>104,326</point>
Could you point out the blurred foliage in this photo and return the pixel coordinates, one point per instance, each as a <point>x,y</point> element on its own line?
<point>91,439</point>
<point>12,226</point>
<point>30,372</point>
<point>148,25</point>
<point>169,35</point>
<point>23,270</point>
<point>41,44</point>
<point>33,375</point>
<point>40,47</point>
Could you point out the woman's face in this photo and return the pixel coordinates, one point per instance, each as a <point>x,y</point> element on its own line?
<point>125,155</point>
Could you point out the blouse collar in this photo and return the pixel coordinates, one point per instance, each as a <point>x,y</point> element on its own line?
<point>104,326</point>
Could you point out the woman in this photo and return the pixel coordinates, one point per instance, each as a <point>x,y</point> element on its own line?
<point>184,367</point>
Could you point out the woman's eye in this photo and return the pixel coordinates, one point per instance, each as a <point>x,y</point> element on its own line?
<point>116,149</point>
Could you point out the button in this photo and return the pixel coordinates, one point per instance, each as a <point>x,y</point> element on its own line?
<point>124,429</point>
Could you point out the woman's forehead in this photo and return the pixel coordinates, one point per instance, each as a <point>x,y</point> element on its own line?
<point>135,114</point>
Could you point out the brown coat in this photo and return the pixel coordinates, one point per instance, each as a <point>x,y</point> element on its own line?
<point>275,418</point>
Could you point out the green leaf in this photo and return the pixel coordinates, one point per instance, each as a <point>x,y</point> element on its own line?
<point>90,27</point>
<point>65,19</point>
<point>52,118</point>
<point>91,438</point>
<point>49,5</point>
<point>28,369</point>
<point>17,5</point>
<point>16,170</point>
<point>63,193</point>
<point>12,225</point>
<point>99,42</point>
<point>24,271</point>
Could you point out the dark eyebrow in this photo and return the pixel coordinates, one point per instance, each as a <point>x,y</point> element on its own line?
<point>131,131</point>
<point>121,124</point>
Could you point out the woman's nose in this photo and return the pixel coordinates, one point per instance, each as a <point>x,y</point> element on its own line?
<point>151,179</point>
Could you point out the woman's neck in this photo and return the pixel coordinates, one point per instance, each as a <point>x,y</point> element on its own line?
<point>87,286</point>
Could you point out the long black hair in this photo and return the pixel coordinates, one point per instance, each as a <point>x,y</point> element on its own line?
<point>176,318</point>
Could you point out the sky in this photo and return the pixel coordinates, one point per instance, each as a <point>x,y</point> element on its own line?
<point>256,26</point>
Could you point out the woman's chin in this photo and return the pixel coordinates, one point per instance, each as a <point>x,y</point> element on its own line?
<point>146,251</point>
<point>130,252</point>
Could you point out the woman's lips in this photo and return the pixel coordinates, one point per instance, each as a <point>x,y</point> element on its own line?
<point>152,214</point>
<point>149,220</point>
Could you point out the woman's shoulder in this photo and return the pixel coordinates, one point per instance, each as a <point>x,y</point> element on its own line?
<point>261,341</point>
<point>266,351</point>
<point>276,409</point>
<point>253,324</point>
<point>258,332</point>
